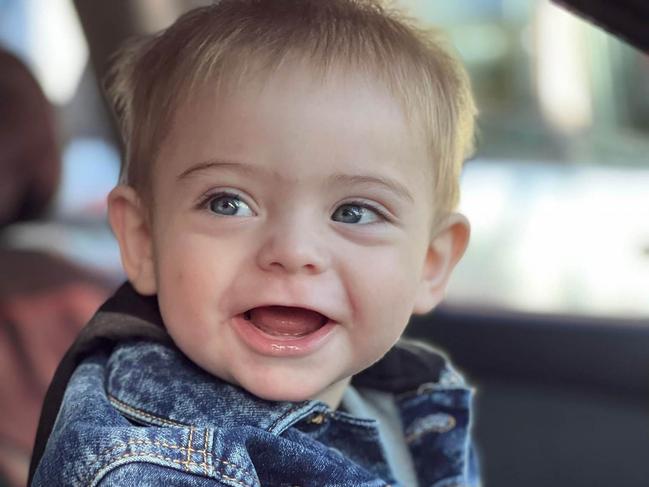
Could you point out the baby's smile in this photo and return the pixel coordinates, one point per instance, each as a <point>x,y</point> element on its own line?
<point>285,321</point>
<point>283,330</point>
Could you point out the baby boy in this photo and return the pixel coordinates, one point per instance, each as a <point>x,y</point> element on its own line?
<point>287,203</point>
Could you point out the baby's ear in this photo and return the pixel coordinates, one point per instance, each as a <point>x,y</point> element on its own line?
<point>445,250</point>
<point>130,223</point>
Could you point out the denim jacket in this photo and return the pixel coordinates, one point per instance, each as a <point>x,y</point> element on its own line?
<point>138,412</point>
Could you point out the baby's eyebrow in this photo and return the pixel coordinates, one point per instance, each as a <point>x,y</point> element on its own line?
<point>391,184</point>
<point>216,164</point>
<point>334,180</point>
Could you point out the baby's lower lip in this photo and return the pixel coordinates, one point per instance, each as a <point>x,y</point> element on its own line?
<point>281,344</point>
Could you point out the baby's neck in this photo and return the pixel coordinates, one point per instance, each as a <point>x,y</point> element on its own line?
<point>333,395</point>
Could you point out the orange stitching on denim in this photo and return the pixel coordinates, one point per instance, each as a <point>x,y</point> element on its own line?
<point>189,446</point>
<point>149,416</point>
<point>205,440</point>
<point>139,443</point>
<point>206,466</point>
<point>160,457</point>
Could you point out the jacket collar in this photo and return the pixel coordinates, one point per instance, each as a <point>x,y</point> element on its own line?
<point>145,380</point>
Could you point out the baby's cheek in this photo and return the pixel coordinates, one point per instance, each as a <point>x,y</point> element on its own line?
<point>384,293</point>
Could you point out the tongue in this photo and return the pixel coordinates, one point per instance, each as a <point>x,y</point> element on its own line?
<point>285,321</point>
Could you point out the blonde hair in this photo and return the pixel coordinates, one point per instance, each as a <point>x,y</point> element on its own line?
<point>233,40</point>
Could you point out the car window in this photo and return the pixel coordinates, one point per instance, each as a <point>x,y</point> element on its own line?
<point>557,192</point>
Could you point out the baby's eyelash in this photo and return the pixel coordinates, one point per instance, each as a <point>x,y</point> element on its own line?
<point>204,200</point>
<point>370,206</point>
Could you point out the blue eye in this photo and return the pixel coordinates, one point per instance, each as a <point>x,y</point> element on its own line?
<point>355,214</point>
<point>229,205</point>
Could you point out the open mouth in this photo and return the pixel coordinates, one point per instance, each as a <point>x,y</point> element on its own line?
<point>285,321</point>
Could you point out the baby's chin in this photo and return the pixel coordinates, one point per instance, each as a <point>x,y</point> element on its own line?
<point>276,380</point>
<point>289,390</point>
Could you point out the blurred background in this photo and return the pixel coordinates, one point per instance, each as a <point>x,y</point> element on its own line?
<point>557,194</point>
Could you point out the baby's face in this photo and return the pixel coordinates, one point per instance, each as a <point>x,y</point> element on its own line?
<point>291,229</point>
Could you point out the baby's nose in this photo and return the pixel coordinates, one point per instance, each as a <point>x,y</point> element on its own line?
<point>293,248</point>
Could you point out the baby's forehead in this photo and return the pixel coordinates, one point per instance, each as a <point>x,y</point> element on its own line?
<point>335,80</point>
<point>339,99</point>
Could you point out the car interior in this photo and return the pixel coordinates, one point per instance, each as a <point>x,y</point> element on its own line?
<point>548,314</point>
